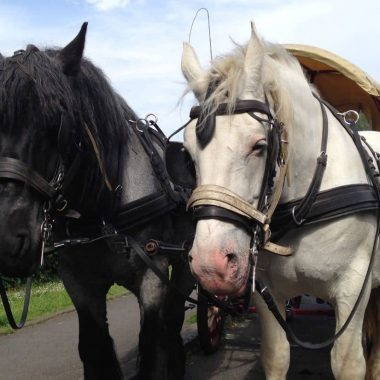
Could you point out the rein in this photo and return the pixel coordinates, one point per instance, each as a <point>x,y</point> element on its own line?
<point>7,306</point>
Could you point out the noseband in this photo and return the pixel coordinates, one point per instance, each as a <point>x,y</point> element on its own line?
<point>16,170</point>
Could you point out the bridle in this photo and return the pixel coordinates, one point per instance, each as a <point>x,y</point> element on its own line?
<point>217,202</point>
<point>54,203</point>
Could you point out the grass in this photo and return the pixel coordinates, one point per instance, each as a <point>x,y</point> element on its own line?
<point>191,319</point>
<point>46,300</point>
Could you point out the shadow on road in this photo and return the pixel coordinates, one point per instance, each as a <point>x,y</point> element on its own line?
<point>239,356</point>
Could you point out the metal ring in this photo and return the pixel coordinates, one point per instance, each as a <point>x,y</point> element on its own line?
<point>63,206</point>
<point>153,117</point>
<point>143,122</point>
<point>354,115</point>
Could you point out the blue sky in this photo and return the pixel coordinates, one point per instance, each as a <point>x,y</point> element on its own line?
<point>138,43</point>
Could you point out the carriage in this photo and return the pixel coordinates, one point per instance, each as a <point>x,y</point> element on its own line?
<point>341,83</point>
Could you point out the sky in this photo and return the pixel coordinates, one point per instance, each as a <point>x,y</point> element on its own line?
<point>138,43</point>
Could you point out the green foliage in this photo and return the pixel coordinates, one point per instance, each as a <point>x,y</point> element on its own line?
<point>363,123</point>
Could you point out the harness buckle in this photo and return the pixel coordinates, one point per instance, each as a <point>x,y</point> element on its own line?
<point>297,222</point>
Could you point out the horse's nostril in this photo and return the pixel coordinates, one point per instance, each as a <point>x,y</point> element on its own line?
<point>190,258</point>
<point>232,258</point>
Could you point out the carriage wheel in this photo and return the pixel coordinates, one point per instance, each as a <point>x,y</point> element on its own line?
<point>210,322</point>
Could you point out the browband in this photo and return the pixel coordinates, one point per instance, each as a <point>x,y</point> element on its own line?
<point>241,106</point>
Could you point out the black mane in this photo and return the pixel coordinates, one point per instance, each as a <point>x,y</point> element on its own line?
<point>33,86</point>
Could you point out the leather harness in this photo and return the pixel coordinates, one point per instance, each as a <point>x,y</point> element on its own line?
<point>314,207</point>
<point>125,219</point>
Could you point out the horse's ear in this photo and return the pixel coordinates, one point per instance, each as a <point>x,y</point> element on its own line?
<point>193,72</point>
<point>253,64</point>
<point>31,49</point>
<point>191,68</point>
<point>71,55</point>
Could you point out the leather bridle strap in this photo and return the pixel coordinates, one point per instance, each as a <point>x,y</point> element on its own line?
<point>217,202</point>
<point>242,106</point>
<point>213,195</point>
<point>221,213</point>
<point>11,168</point>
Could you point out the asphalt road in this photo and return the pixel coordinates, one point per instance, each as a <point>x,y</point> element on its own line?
<point>48,350</point>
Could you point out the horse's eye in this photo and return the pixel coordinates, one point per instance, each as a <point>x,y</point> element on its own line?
<point>260,147</point>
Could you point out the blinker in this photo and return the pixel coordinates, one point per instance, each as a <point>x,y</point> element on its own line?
<point>179,165</point>
<point>206,122</point>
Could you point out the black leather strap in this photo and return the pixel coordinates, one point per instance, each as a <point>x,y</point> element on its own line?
<point>142,211</point>
<point>328,204</point>
<point>301,211</point>
<point>242,106</point>
<point>215,212</point>
<point>7,306</point>
<point>14,169</point>
<point>206,122</point>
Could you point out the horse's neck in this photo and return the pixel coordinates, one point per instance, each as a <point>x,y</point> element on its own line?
<point>138,178</point>
<point>343,163</point>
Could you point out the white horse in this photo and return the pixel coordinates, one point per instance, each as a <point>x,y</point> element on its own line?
<point>329,259</point>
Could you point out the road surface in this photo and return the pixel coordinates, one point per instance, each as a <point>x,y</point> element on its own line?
<point>238,358</point>
<point>48,350</point>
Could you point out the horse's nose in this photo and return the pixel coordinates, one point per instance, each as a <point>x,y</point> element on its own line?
<point>218,273</point>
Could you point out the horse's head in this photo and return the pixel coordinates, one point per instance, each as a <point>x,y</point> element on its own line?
<point>36,110</point>
<point>228,144</point>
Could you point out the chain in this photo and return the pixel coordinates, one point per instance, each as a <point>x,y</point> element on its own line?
<point>254,254</point>
<point>46,230</point>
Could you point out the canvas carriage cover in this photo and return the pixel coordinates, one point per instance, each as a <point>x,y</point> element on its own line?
<point>340,82</point>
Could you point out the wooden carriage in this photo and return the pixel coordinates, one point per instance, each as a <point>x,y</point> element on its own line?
<point>341,83</point>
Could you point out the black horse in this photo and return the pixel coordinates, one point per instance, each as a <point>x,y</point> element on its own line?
<point>73,155</point>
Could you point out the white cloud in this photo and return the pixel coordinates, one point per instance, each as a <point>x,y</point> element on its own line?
<point>139,47</point>
<point>107,5</point>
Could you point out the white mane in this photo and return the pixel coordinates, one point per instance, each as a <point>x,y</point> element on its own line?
<point>279,70</point>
